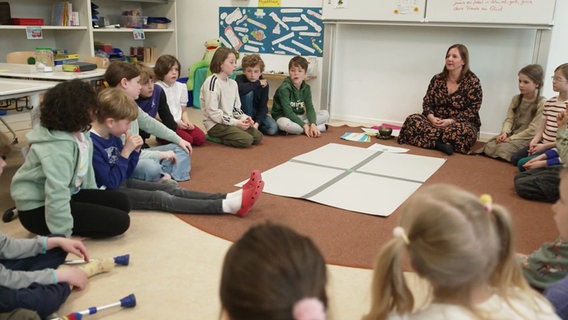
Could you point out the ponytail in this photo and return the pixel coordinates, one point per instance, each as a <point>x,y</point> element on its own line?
<point>390,291</point>
<point>507,271</point>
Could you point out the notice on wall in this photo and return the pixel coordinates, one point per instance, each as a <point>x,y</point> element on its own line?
<point>269,3</point>
<point>286,31</point>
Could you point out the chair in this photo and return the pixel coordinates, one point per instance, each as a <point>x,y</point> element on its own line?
<point>21,57</point>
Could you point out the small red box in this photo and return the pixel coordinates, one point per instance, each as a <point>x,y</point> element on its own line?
<point>27,21</point>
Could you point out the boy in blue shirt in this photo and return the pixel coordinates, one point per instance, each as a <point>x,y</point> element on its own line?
<point>253,91</point>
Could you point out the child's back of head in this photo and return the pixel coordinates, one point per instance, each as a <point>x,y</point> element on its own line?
<point>69,106</point>
<point>453,240</point>
<point>274,273</point>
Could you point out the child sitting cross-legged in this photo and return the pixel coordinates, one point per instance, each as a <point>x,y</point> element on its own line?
<point>34,282</point>
<point>463,246</point>
<point>114,162</point>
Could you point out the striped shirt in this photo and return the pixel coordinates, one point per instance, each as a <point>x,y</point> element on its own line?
<point>552,107</point>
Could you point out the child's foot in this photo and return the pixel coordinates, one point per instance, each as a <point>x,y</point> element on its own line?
<point>255,178</point>
<point>10,214</point>
<point>213,139</point>
<point>445,147</point>
<point>250,196</point>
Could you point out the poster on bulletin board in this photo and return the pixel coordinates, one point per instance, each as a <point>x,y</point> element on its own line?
<point>286,31</point>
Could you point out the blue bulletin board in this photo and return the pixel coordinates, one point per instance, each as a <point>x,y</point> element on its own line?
<point>286,31</point>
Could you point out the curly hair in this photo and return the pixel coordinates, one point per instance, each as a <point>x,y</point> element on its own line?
<point>251,61</point>
<point>69,106</point>
<point>164,64</point>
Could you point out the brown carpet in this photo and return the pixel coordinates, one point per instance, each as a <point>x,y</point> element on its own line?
<point>345,237</point>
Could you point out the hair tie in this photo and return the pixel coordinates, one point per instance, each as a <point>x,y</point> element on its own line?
<point>487,202</point>
<point>309,309</point>
<point>398,232</point>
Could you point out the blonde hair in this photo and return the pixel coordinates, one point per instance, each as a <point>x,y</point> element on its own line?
<point>146,73</point>
<point>455,242</point>
<point>115,103</point>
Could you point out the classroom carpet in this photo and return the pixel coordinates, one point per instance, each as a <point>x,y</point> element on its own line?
<point>346,237</point>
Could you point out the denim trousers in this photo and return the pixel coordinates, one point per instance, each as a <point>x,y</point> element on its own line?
<point>268,125</point>
<point>144,195</point>
<point>152,170</point>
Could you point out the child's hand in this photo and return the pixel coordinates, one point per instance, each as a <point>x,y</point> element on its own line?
<point>315,133</point>
<point>534,164</point>
<point>72,275</point>
<point>168,156</point>
<point>186,146</point>
<point>182,125</point>
<point>501,138</point>
<point>131,143</point>
<point>562,119</point>
<point>243,123</point>
<point>263,82</point>
<point>255,125</point>
<point>73,246</point>
<point>537,148</point>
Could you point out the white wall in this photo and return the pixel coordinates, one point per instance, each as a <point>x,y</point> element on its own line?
<point>382,72</point>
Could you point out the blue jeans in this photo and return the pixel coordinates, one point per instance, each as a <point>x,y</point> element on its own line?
<point>268,125</point>
<point>152,170</point>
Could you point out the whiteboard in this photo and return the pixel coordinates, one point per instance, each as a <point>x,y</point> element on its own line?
<point>506,12</point>
<point>524,12</point>
<point>374,10</point>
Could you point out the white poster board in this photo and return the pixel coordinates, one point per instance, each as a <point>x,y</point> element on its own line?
<point>523,12</point>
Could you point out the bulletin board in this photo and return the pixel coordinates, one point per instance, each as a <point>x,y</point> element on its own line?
<point>286,31</point>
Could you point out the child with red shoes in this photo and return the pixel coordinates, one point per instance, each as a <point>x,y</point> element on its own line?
<point>114,162</point>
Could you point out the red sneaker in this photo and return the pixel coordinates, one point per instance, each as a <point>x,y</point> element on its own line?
<point>250,195</point>
<point>255,178</point>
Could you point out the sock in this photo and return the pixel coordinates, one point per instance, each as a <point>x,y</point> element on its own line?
<point>96,266</point>
<point>213,139</point>
<point>322,127</point>
<point>445,147</point>
<point>232,205</point>
<point>236,194</point>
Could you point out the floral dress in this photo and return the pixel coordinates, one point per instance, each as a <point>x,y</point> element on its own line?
<point>462,106</point>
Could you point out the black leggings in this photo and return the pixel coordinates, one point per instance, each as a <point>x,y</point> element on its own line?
<point>96,214</point>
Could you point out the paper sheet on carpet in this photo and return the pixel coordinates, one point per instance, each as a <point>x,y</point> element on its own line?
<point>351,178</point>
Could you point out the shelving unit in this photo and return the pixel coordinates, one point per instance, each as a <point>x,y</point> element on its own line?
<point>80,39</point>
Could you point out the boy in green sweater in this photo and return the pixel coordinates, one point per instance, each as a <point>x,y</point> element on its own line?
<point>292,107</point>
